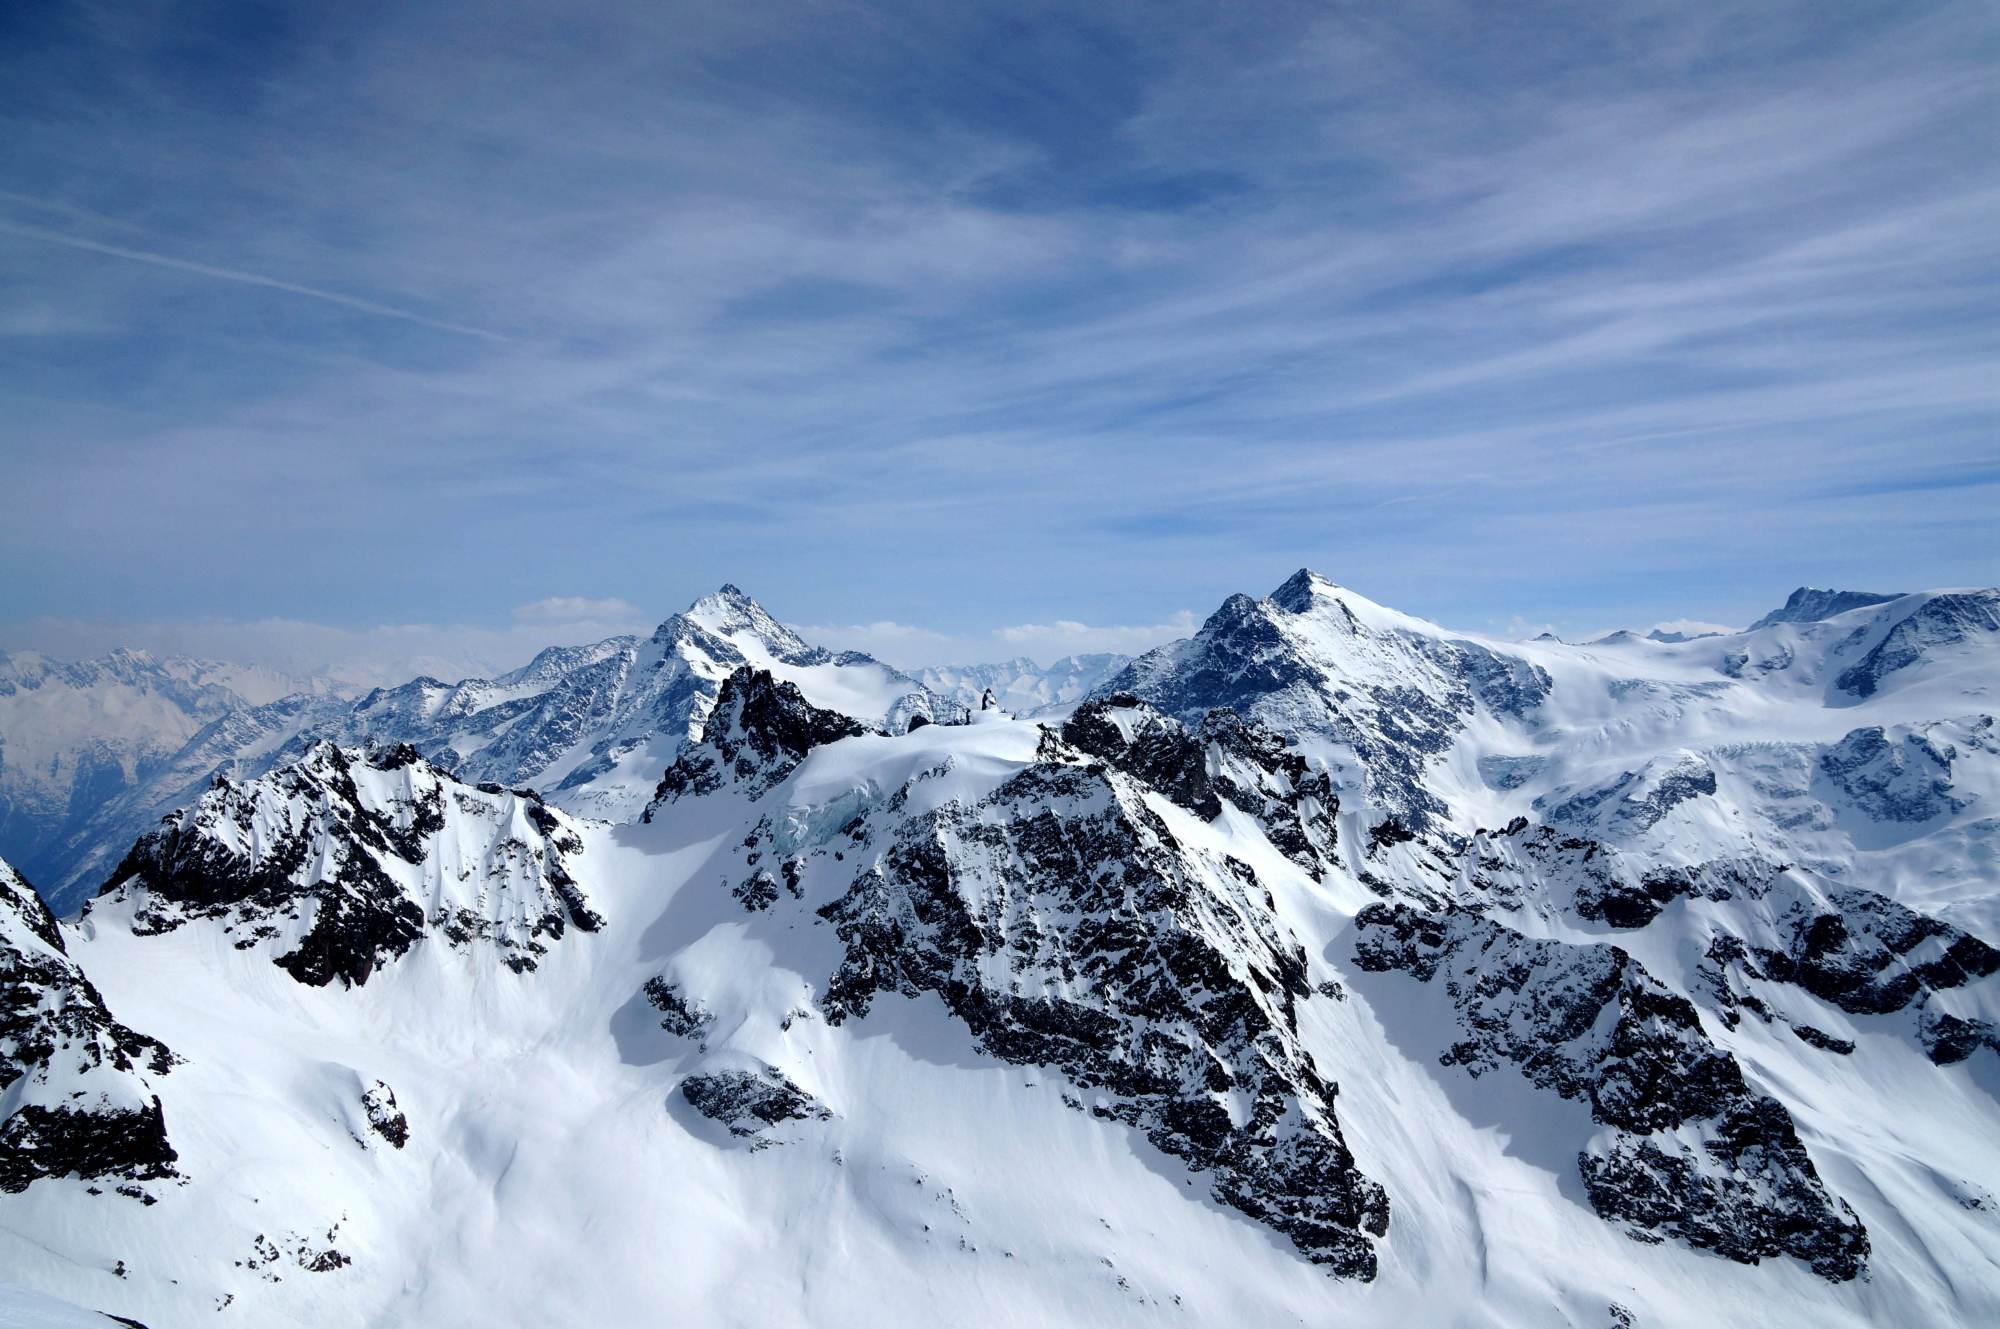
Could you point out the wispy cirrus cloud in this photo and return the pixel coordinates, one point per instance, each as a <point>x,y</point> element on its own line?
<point>966,316</point>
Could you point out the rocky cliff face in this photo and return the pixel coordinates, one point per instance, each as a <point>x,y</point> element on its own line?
<point>76,1085</point>
<point>340,863</point>
<point>1692,1152</point>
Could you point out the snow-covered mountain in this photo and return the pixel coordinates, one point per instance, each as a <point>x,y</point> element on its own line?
<point>1020,685</point>
<point>590,727</point>
<point>74,737</point>
<point>1328,967</point>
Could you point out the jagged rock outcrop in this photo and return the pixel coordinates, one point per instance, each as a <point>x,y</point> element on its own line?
<point>385,1118</point>
<point>1636,801</point>
<point>750,1103</point>
<point>756,735</point>
<point>341,862</point>
<point>1524,864</point>
<point>1904,774</point>
<point>1227,759</point>
<point>680,1014</point>
<point>1869,955</point>
<point>590,727</point>
<point>1695,1153</point>
<point>1064,923</point>
<point>76,1094</point>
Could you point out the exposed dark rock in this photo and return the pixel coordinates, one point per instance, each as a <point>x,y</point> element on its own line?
<point>759,731</point>
<point>1637,801</point>
<point>1588,1023</point>
<point>1824,1041</point>
<point>78,1078</point>
<point>1061,920</point>
<point>1858,954</point>
<point>1940,621</point>
<point>1808,605</point>
<point>1905,778</point>
<point>751,1103</point>
<point>323,852</point>
<point>385,1118</point>
<point>1949,1039</point>
<point>1301,662</point>
<point>678,1013</point>
<point>1228,759</point>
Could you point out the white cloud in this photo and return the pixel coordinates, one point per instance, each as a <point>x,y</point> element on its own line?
<point>910,647</point>
<point>351,658</point>
<point>579,609</point>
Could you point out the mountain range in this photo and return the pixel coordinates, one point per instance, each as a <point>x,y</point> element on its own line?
<point>1325,966</point>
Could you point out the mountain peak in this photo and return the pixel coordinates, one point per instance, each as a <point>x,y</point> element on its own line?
<point>1300,589</point>
<point>729,613</point>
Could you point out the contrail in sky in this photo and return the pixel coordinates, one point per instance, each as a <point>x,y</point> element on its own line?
<point>246,278</point>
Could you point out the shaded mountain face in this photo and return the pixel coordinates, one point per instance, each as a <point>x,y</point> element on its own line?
<point>1808,605</point>
<point>74,737</point>
<point>1421,977</point>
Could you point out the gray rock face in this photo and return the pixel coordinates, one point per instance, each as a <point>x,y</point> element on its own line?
<point>1228,759</point>
<point>1303,663</point>
<point>385,1118</point>
<point>1900,777</point>
<point>1809,605</point>
<point>757,734</point>
<point>590,727</point>
<point>1694,1154</point>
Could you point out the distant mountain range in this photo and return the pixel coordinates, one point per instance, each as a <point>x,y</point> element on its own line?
<point>1327,966</point>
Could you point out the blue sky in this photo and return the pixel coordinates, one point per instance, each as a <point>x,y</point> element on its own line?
<point>959,329</point>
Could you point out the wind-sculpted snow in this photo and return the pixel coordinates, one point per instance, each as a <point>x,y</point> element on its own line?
<point>1694,1153</point>
<point>340,863</point>
<point>76,1093</point>
<point>1064,923</point>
